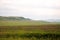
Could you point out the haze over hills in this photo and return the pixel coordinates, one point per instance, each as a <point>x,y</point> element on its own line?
<point>28,19</point>
<point>53,20</point>
<point>13,18</point>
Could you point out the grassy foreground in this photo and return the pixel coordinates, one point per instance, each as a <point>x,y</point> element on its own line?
<point>29,30</point>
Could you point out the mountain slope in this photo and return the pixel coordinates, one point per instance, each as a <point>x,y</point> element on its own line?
<point>13,18</point>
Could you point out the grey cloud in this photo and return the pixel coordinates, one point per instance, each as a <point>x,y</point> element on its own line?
<point>11,9</point>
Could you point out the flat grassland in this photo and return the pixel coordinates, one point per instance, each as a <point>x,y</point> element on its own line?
<point>29,30</point>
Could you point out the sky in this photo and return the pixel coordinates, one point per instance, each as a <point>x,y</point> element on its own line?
<point>33,9</point>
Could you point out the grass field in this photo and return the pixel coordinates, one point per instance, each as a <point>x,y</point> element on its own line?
<point>29,30</point>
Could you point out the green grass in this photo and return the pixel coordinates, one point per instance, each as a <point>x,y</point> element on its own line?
<point>21,23</point>
<point>22,27</point>
<point>30,36</point>
<point>29,26</point>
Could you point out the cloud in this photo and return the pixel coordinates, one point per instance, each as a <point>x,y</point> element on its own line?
<point>35,9</point>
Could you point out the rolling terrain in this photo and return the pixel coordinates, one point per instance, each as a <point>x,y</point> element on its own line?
<point>28,30</point>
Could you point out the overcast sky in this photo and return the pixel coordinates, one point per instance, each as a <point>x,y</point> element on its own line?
<point>34,9</point>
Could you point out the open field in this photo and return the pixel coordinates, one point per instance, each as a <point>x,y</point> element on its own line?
<point>29,30</point>
<point>21,23</point>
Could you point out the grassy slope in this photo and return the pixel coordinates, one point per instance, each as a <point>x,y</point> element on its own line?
<point>21,27</point>
<point>21,23</point>
<point>29,26</point>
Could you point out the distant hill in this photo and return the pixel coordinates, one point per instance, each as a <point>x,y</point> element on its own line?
<point>13,18</point>
<point>53,20</point>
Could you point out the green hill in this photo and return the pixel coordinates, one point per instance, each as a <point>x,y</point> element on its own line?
<point>13,18</point>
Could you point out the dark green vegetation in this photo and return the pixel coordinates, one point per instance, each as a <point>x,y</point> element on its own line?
<point>32,36</point>
<point>13,18</point>
<point>28,30</point>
